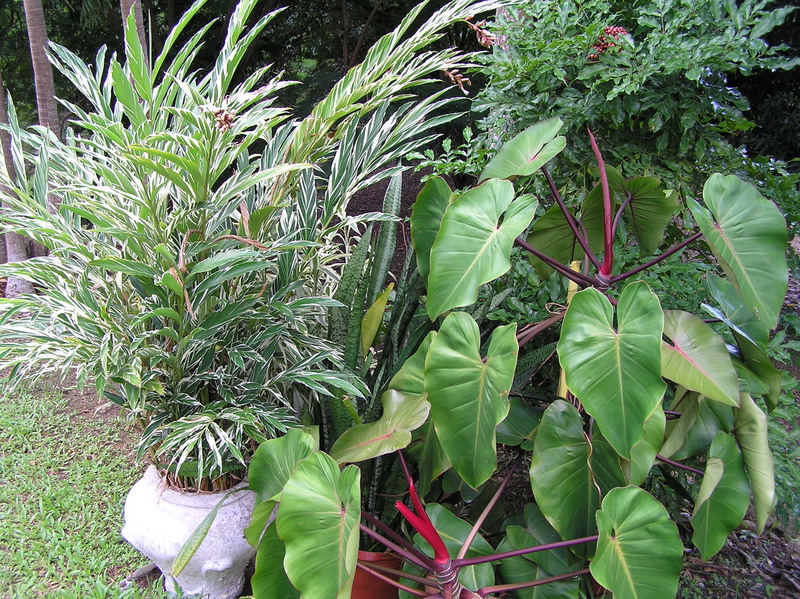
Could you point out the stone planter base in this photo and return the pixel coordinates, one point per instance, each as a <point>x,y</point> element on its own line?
<point>159,520</point>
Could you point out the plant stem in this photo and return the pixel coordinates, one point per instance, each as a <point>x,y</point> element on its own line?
<point>501,588</point>
<point>679,465</point>
<point>656,260</point>
<point>426,564</point>
<point>399,573</point>
<point>485,513</point>
<point>570,221</point>
<point>580,278</point>
<point>394,535</point>
<point>391,581</point>
<point>471,561</point>
<point>530,331</point>
<point>608,228</point>
<point>619,215</point>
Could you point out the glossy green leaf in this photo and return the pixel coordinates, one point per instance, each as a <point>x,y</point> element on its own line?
<point>538,531</point>
<point>429,455</point>
<point>723,497</point>
<point>468,393</point>
<point>453,531</point>
<point>275,460</point>
<point>639,552</point>
<point>426,218</point>
<point>750,431</point>
<point>410,379</point>
<point>318,520</point>
<point>692,433</point>
<point>564,482</point>
<point>615,372</point>
<point>644,452</point>
<point>649,210</point>
<point>696,358</point>
<point>474,243</point>
<point>750,335</point>
<point>552,235</point>
<point>373,319</point>
<point>269,579</point>
<point>748,232</point>
<point>392,431</point>
<point>519,427</point>
<point>527,152</point>
<point>518,570</point>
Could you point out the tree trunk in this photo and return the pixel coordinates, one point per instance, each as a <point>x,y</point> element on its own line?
<point>15,247</point>
<point>125,7</point>
<point>42,69</point>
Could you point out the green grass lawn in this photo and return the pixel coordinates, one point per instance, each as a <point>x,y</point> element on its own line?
<point>64,474</point>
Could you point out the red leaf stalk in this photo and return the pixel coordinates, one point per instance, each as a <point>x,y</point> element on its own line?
<point>608,225</point>
<point>420,521</point>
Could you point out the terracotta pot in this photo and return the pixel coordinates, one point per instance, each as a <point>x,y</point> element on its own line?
<point>367,586</point>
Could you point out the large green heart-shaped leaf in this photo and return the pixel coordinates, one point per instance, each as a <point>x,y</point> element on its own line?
<point>318,520</point>
<point>468,393</point>
<point>538,531</point>
<point>275,461</point>
<point>426,217</point>
<point>723,497</point>
<point>474,243</point>
<point>401,414</point>
<point>748,232</point>
<point>696,358</point>
<point>649,210</point>
<point>527,152</point>
<point>518,569</point>
<point>750,431</point>
<point>615,373</point>
<point>564,481</point>
<point>639,552</point>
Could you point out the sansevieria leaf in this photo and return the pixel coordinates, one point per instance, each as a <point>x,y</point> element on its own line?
<point>639,553</point>
<point>469,393</point>
<point>723,497</point>
<point>474,243</point>
<point>318,520</point>
<point>696,358</point>
<point>615,371</point>
<point>748,233</point>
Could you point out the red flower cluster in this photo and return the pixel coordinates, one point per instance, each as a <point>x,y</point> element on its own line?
<point>604,42</point>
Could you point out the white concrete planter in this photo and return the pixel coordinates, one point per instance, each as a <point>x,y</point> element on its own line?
<point>159,520</point>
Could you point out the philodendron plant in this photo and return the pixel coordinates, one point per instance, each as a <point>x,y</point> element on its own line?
<point>645,390</point>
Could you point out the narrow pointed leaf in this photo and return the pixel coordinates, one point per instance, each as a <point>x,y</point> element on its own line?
<point>527,152</point>
<point>748,232</point>
<point>615,372</point>
<point>639,552</point>
<point>723,497</point>
<point>371,323</point>
<point>751,435</point>
<point>696,358</point>
<point>473,245</point>
<point>468,393</point>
